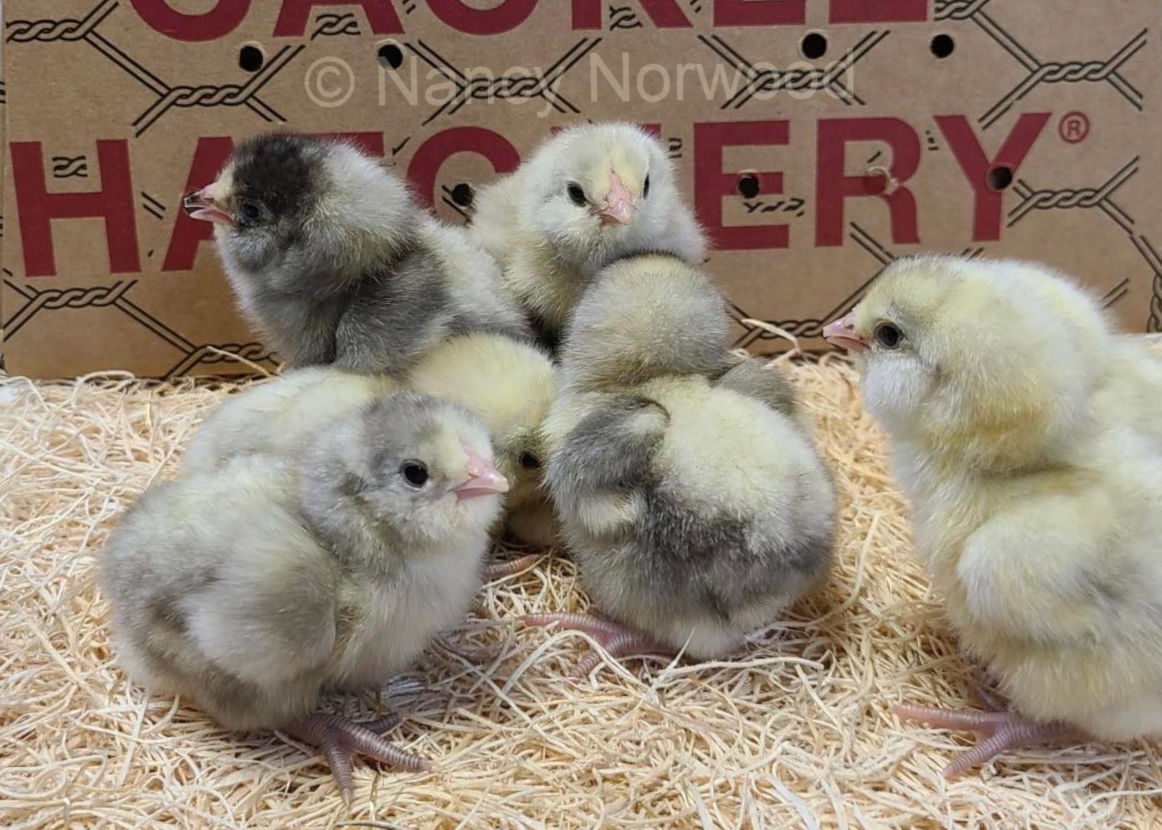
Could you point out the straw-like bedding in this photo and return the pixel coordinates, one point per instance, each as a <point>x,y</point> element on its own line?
<point>796,732</point>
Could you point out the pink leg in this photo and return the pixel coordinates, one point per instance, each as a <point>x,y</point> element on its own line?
<point>616,639</point>
<point>998,730</point>
<point>989,699</point>
<point>341,739</point>
<point>499,570</point>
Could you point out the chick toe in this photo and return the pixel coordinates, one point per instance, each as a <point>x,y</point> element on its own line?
<point>999,731</point>
<point>510,567</point>
<point>616,639</point>
<point>341,740</point>
<point>618,646</point>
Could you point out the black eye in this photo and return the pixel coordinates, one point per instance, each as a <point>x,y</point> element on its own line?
<point>576,194</point>
<point>414,472</point>
<point>250,211</point>
<point>646,187</point>
<point>887,335</point>
<point>529,461</point>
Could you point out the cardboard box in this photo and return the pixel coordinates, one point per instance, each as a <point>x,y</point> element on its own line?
<point>818,139</point>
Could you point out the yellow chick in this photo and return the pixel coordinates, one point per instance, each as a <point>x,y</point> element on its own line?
<point>510,386</point>
<point>1028,437</point>
<point>588,195</point>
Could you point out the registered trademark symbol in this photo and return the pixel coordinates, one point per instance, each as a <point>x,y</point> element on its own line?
<point>1074,127</point>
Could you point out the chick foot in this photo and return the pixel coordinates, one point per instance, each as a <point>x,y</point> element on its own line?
<point>998,730</point>
<point>509,567</point>
<point>341,740</point>
<point>616,639</point>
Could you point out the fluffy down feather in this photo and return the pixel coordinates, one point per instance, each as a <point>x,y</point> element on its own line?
<point>1027,434</point>
<point>695,504</point>
<point>589,195</point>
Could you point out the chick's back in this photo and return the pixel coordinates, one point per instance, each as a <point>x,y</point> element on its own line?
<point>722,516</point>
<point>279,416</point>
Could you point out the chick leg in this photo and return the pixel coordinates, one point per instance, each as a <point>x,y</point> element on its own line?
<point>999,731</point>
<point>499,570</point>
<point>341,739</point>
<point>616,639</point>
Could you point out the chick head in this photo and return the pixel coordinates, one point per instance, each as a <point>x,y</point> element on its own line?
<point>510,386</point>
<point>599,190</point>
<point>990,361</point>
<point>423,466</point>
<point>284,200</point>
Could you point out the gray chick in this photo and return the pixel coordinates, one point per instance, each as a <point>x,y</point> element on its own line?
<point>331,257</point>
<point>253,588</point>
<point>692,498</point>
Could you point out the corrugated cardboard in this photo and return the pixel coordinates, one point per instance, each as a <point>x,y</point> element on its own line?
<point>1023,127</point>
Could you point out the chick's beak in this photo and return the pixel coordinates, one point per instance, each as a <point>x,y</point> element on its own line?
<point>483,479</point>
<point>203,204</point>
<point>842,333</point>
<point>618,203</point>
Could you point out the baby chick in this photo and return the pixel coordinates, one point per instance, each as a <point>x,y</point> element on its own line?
<point>253,588</point>
<point>509,385</point>
<point>588,195</point>
<point>332,259</point>
<point>696,512</point>
<point>1026,434</point>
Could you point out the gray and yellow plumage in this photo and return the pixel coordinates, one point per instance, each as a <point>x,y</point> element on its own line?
<point>331,257</point>
<point>251,588</point>
<point>692,498</point>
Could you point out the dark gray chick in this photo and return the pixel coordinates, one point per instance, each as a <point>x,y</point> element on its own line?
<point>331,257</point>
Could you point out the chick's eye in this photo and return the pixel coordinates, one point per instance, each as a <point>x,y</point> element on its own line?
<point>576,194</point>
<point>414,473</point>
<point>529,461</point>
<point>888,335</point>
<point>646,187</point>
<point>251,211</point>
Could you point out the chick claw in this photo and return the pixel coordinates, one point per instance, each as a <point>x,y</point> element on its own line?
<point>341,739</point>
<point>999,731</point>
<point>616,639</point>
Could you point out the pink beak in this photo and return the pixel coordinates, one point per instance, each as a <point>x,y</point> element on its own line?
<point>483,479</point>
<point>202,204</point>
<point>842,333</point>
<point>618,203</point>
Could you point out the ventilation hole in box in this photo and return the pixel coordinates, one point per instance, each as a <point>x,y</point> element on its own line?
<point>999,177</point>
<point>389,56</point>
<point>250,58</point>
<point>814,46</point>
<point>748,185</point>
<point>462,194</point>
<point>943,46</point>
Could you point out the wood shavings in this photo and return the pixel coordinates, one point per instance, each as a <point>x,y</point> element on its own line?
<point>795,732</point>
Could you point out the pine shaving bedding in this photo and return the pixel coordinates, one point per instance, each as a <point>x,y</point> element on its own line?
<point>795,732</point>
